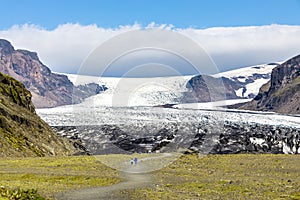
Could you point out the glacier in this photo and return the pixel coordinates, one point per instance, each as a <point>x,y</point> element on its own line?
<point>127,115</point>
<point>150,129</point>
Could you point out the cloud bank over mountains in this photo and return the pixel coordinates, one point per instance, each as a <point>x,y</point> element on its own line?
<point>64,48</point>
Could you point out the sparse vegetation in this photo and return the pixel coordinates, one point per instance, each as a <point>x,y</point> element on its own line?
<point>265,87</point>
<point>292,87</point>
<point>19,194</point>
<point>241,176</point>
<point>238,176</point>
<point>22,132</point>
<point>50,175</point>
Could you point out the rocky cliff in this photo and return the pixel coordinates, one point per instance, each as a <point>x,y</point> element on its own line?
<point>204,88</point>
<point>48,89</point>
<point>22,132</point>
<point>282,93</point>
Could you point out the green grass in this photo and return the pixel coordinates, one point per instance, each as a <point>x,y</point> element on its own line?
<point>240,176</point>
<point>19,194</point>
<point>50,175</point>
<point>289,87</point>
<point>227,177</point>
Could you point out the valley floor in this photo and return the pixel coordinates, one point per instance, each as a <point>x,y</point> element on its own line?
<point>52,175</point>
<point>235,176</point>
<point>239,176</point>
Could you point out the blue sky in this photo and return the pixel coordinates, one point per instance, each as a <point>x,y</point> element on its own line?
<point>234,33</point>
<point>181,13</point>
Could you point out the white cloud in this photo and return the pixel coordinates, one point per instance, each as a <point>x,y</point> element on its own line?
<point>238,46</point>
<point>65,48</point>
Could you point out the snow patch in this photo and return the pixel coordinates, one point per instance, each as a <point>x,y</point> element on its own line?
<point>247,71</point>
<point>258,141</point>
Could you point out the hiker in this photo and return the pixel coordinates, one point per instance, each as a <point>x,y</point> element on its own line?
<point>131,161</point>
<point>135,161</point>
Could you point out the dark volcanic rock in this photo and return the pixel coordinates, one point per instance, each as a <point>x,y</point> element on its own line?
<point>72,136</point>
<point>48,89</point>
<point>203,88</point>
<point>204,138</point>
<point>113,139</point>
<point>255,138</point>
<point>282,93</point>
<point>82,92</point>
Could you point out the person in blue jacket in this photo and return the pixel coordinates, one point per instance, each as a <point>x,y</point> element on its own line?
<point>135,161</point>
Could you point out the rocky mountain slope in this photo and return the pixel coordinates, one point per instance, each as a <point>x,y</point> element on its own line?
<point>48,89</point>
<point>282,93</point>
<point>234,84</point>
<point>249,79</point>
<point>22,131</point>
<point>203,88</point>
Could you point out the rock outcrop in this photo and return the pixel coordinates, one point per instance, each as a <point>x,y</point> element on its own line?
<point>22,131</point>
<point>48,89</point>
<point>204,88</point>
<point>282,93</point>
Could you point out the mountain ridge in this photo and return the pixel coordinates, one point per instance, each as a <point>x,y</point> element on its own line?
<point>48,89</point>
<point>282,93</point>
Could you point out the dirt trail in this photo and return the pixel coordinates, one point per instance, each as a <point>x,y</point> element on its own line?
<point>134,177</point>
<point>110,192</point>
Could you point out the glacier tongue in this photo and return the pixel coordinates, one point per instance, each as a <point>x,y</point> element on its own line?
<point>134,91</point>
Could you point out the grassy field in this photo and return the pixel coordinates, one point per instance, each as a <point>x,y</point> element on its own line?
<point>227,177</point>
<point>244,176</point>
<point>51,175</point>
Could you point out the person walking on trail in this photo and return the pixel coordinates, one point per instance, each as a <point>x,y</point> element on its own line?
<point>135,161</point>
<point>131,162</point>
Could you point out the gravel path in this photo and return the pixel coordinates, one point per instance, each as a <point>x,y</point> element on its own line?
<point>110,192</point>
<point>134,177</point>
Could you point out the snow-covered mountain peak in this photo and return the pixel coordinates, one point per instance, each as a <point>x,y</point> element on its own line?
<point>250,78</point>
